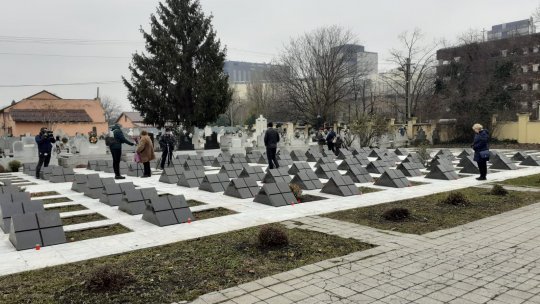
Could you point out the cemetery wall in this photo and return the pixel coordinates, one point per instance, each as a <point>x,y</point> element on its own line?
<point>524,130</point>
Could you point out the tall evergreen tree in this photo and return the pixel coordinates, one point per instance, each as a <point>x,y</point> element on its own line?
<point>180,78</point>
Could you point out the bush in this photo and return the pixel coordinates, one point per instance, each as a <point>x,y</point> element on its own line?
<point>272,236</point>
<point>296,190</point>
<point>456,199</point>
<point>498,190</point>
<point>423,153</point>
<point>14,165</point>
<point>108,277</point>
<point>396,214</point>
<point>2,169</point>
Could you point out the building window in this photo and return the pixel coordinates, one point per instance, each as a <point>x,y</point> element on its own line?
<point>456,59</point>
<point>504,53</point>
<point>535,86</point>
<point>525,68</point>
<point>524,87</point>
<point>535,49</point>
<point>525,51</point>
<point>535,67</point>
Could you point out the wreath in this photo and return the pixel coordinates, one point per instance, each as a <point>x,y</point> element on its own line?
<point>92,138</point>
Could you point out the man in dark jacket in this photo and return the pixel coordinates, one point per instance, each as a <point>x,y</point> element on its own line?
<point>271,139</point>
<point>167,143</point>
<point>116,149</point>
<point>481,149</point>
<point>44,141</point>
<point>330,139</point>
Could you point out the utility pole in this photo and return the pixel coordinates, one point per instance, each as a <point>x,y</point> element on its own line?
<point>407,87</point>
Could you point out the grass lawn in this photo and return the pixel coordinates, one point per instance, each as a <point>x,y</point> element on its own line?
<point>92,217</point>
<point>524,181</point>
<point>193,203</point>
<point>176,272</point>
<point>73,236</point>
<point>46,193</point>
<point>56,200</point>
<point>369,190</point>
<point>428,214</point>
<point>210,213</point>
<point>67,208</point>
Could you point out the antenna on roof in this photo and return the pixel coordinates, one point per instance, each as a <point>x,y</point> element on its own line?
<point>97,97</point>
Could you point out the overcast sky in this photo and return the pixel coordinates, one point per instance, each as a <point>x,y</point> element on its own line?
<point>253,30</point>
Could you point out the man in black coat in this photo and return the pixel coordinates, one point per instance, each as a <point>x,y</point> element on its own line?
<point>167,143</point>
<point>271,139</point>
<point>44,141</point>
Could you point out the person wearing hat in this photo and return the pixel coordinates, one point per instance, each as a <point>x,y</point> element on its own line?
<point>116,149</point>
<point>44,141</point>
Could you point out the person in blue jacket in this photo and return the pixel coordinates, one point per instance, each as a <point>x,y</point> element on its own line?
<point>45,140</point>
<point>481,149</point>
<point>116,149</point>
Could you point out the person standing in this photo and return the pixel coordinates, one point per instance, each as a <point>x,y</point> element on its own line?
<point>481,149</point>
<point>45,140</point>
<point>271,139</point>
<point>338,144</point>
<point>146,152</point>
<point>116,149</point>
<point>167,143</point>
<point>330,140</point>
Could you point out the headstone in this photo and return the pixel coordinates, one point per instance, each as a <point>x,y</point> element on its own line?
<point>352,161</point>
<point>344,154</point>
<point>169,175</point>
<point>359,174</point>
<point>393,178</point>
<point>215,182</point>
<point>242,188</point>
<point>324,161</point>
<point>239,158</point>
<point>95,184</point>
<point>92,164</point>
<point>167,210</point>
<point>446,153</point>
<point>401,151</point>
<point>388,160</point>
<point>442,171</point>
<point>255,172</point>
<point>519,156</point>
<point>190,179</point>
<point>501,162</point>
<point>134,201</point>
<point>194,165</point>
<point>531,160</point>
<point>307,180</point>
<point>31,229</point>
<point>313,156</point>
<point>284,158</point>
<point>221,160</point>
<point>297,155</point>
<point>413,158</point>
<point>440,161</point>
<point>275,195</point>
<point>80,182</point>
<point>300,166</point>
<point>466,152</point>
<point>253,157</point>
<point>208,160</point>
<point>232,170</point>
<point>327,171</point>
<point>280,175</point>
<point>185,142</point>
<point>340,185</point>
<point>377,153</point>
<point>469,166</point>
<point>377,166</point>
<point>62,175</point>
<point>113,194</point>
<point>10,207</point>
<point>410,169</point>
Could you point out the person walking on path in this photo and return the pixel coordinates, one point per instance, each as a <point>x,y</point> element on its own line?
<point>44,141</point>
<point>271,139</point>
<point>146,152</point>
<point>166,143</point>
<point>116,149</point>
<point>330,140</point>
<point>338,144</point>
<point>481,149</point>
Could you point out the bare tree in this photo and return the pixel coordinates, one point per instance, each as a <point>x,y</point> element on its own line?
<point>368,127</point>
<point>470,36</point>
<point>112,109</point>
<point>413,76</point>
<point>314,72</point>
<point>536,15</point>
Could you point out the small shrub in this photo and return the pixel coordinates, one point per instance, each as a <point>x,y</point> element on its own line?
<point>396,214</point>
<point>456,198</point>
<point>272,236</point>
<point>2,169</point>
<point>498,190</point>
<point>423,153</point>
<point>296,190</point>
<point>108,277</point>
<point>14,165</point>
<point>65,140</point>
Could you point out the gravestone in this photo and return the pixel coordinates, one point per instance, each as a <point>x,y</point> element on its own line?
<point>10,207</point>
<point>135,200</point>
<point>232,170</point>
<point>242,188</point>
<point>169,175</point>
<point>275,195</point>
<point>393,178</point>
<point>167,210</point>
<point>190,179</point>
<point>279,175</point>
<point>62,175</point>
<point>255,172</point>
<point>377,152</point>
<point>469,166</point>
<point>442,171</point>
<point>340,185</point>
<point>501,162</point>
<point>253,157</point>
<point>446,153</point>
<point>414,158</point>
<point>440,161</point>
<point>114,193</point>
<point>211,142</point>
<point>284,158</point>
<point>519,156</point>
<point>344,154</point>
<point>392,156</point>
<point>263,159</point>
<point>239,158</point>
<point>297,155</point>
<point>92,164</point>
<point>214,182</point>
<point>95,184</point>
<point>194,165</point>
<point>313,156</point>
<point>388,160</point>
<point>352,161</point>
<point>327,171</point>
<point>401,151</point>
<point>377,167</point>
<point>185,142</point>
<point>466,152</point>
<point>208,160</point>
<point>410,169</point>
<point>324,161</point>
<point>307,180</point>
<point>300,166</point>
<point>221,160</point>
<point>531,160</point>
<point>359,174</point>
<point>80,182</point>
<point>31,229</point>
<point>180,159</point>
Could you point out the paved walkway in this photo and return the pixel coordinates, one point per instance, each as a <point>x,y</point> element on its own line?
<point>493,260</point>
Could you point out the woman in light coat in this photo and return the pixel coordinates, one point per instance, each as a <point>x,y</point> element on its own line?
<point>146,152</point>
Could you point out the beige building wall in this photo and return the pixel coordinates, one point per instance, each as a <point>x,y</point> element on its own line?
<point>125,122</point>
<point>523,130</point>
